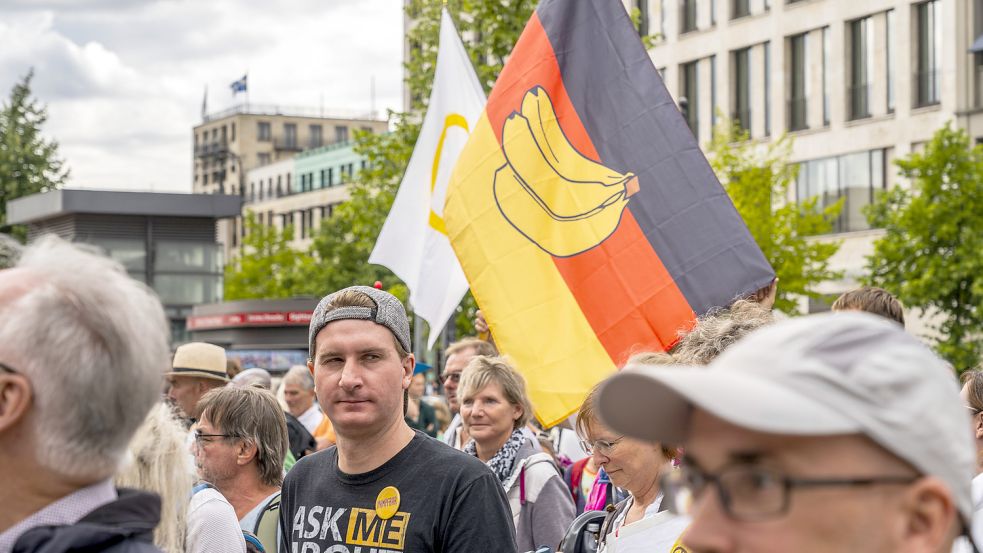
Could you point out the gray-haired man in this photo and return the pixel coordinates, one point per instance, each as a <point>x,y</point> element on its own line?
<point>83,351</point>
<point>835,432</point>
<point>384,486</point>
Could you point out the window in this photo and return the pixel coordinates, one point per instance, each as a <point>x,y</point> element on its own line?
<point>853,177</point>
<point>323,175</point>
<point>977,74</point>
<point>264,158</point>
<point>740,8</point>
<point>188,272</point>
<point>264,134</point>
<point>290,135</point>
<point>643,16</point>
<point>797,108</point>
<point>741,112</point>
<point>713,12</point>
<point>858,91</point>
<point>233,131</point>
<point>316,141</point>
<point>767,75</point>
<point>889,57</point>
<point>827,75</point>
<point>330,176</point>
<point>689,90</point>
<point>341,133</point>
<point>928,16</point>
<point>687,16</point>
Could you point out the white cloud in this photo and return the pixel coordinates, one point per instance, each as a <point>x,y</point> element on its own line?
<point>124,80</point>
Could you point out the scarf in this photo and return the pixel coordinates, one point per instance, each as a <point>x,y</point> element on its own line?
<point>503,461</point>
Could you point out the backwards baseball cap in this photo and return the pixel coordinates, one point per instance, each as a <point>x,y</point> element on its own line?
<point>822,375</point>
<point>388,312</point>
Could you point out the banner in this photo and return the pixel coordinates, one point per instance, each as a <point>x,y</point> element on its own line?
<point>587,220</point>
<point>413,242</point>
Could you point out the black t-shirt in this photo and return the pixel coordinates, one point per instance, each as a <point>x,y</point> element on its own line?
<point>449,502</point>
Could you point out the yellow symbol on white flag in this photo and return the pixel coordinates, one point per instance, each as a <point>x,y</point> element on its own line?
<point>453,120</point>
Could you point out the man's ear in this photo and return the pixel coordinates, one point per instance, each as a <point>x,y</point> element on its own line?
<point>246,451</point>
<point>930,515</point>
<point>408,365</point>
<point>16,396</point>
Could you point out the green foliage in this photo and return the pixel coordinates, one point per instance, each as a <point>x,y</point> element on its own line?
<point>29,163</point>
<point>757,178</point>
<point>929,256</point>
<point>267,266</point>
<point>342,244</point>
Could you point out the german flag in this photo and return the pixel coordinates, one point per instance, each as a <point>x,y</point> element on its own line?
<point>587,220</point>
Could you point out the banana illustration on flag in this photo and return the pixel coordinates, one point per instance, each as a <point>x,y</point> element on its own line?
<point>563,201</point>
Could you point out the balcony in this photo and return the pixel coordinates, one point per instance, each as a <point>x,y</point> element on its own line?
<point>797,114</point>
<point>859,97</point>
<point>212,149</point>
<point>286,144</point>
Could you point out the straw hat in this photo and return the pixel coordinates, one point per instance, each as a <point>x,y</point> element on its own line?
<point>200,360</point>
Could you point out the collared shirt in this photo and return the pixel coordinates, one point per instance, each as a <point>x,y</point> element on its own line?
<point>452,436</point>
<point>67,510</point>
<point>311,418</point>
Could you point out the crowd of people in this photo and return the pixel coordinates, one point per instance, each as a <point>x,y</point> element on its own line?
<point>757,433</point>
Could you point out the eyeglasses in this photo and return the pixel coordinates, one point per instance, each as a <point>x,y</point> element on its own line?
<point>9,369</point>
<point>748,492</point>
<point>601,446</point>
<point>456,377</point>
<point>201,437</point>
<point>974,410</point>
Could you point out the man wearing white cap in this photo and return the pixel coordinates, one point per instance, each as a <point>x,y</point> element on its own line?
<point>824,433</point>
<point>197,368</point>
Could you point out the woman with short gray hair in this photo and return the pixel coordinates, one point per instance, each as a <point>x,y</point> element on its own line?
<point>495,408</point>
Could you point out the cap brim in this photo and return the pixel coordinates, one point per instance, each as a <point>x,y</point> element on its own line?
<point>199,374</point>
<point>656,403</point>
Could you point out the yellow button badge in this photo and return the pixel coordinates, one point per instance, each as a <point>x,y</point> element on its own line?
<point>387,503</point>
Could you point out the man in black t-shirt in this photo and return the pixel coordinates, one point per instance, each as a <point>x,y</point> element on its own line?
<point>384,487</point>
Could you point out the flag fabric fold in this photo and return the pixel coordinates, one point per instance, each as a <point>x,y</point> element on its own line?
<point>587,220</point>
<point>413,242</point>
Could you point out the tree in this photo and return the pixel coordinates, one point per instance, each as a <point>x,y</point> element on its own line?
<point>267,266</point>
<point>343,243</point>
<point>929,256</point>
<point>29,163</point>
<point>757,178</point>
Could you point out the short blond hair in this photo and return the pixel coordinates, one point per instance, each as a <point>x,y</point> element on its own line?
<point>587,420</point>
<point>483,370</point>
<point>480,347</point>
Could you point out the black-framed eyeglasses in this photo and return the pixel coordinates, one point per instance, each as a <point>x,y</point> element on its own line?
<point>456,377</point>
<point>202,437</point>
<point>8,369</point>
<point>749,492</point>
<point>601,446</point>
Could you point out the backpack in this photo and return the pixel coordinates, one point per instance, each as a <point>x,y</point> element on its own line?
<point>301,440</point>
<point>253,544</point>
<point>267,523</point>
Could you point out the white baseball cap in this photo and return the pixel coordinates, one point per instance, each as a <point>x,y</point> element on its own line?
<point>821,375</point>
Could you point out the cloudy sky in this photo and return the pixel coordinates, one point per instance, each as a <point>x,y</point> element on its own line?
<point>124,79</point>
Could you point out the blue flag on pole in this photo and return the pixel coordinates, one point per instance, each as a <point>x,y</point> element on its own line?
<point>239,86</point>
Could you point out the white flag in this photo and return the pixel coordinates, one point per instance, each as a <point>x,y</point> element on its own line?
<point>413,243</point>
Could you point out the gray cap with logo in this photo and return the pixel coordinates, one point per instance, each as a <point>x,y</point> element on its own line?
<point>830,374</point>
<point>388,312</point>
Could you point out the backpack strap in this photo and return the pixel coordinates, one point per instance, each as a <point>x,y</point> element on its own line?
<point>267,523</point>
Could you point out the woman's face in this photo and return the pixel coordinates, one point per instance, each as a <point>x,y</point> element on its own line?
<point>489,416</point>
<point>631,464</point>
